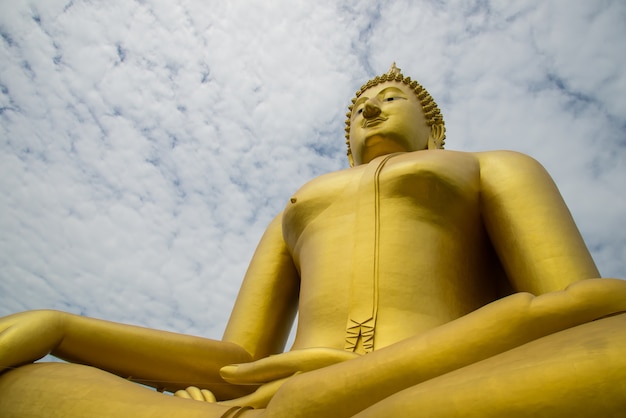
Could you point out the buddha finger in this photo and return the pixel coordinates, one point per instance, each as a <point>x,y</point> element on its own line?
<point>195,393</point>
<point>208,395</point>
<point>182,393</point>
<point>283,365</point>
<point>258,399</point>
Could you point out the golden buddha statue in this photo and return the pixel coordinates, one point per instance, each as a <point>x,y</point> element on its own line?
<point>428,282</point>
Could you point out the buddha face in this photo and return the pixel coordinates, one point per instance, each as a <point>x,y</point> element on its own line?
<point>387,118</point>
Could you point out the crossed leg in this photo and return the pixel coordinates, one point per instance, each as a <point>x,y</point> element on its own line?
<point>71,390</point>
<point>579,372</point>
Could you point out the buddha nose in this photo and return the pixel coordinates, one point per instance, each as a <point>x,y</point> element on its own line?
<point>371,109</point>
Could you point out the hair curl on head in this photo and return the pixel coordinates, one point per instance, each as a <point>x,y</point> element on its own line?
<point>433,115</point>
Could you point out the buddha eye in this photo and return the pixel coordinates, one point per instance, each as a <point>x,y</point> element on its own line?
<point>357,112</point>
<point>390,99</point>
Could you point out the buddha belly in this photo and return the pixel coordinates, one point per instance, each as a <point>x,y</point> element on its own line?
<point>410,273</point>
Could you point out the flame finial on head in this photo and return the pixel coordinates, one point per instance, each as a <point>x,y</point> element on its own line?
<point>393,70</point>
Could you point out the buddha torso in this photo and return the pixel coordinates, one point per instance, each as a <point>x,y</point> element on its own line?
<point>433,261</point>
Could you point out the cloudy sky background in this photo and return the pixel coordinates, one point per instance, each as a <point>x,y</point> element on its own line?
<point>145,145</point>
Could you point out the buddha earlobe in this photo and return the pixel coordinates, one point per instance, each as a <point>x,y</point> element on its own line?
<point>437,136</point>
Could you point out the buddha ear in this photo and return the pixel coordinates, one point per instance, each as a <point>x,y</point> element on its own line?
<point>437,136</point>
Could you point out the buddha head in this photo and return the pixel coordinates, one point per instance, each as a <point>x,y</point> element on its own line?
<point>391,113</point>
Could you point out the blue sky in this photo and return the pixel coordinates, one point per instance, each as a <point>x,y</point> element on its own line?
<point>145,145</point>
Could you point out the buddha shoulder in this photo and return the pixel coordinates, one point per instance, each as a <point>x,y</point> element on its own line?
<point>510,169</point>
<point>462,167</point>
<point>503,160</point>
<point>319,193</point>
<point>323,189</point>
<point>318,196</point>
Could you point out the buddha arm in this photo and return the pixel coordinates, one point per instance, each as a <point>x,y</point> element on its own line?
<point>160,359</point>
<point>529,225</point>
<point>268,299</point>
<point>156,358</point>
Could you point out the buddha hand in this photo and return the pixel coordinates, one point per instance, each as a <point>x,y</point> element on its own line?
<point>271,372</point>
<point>284,365</point>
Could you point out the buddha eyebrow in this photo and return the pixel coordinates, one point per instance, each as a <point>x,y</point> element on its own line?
<point>392,89</point>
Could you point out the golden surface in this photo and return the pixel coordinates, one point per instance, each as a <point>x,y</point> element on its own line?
<point>427,282</point>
